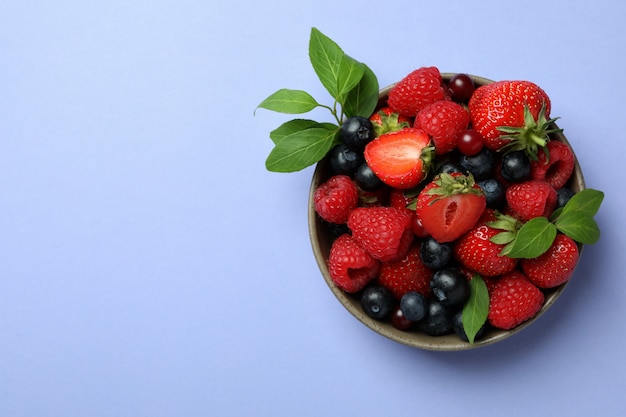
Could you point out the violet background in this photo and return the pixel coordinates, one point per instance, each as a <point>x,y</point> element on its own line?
<point>150,266</point>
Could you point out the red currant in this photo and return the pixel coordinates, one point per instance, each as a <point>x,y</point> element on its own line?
<point>461,87</point>
<point>470,142</point>
<point>418,228</point>
<point>399,321</point>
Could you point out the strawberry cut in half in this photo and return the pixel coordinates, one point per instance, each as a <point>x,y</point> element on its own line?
<point>450,205</point>
<point>400,159</point>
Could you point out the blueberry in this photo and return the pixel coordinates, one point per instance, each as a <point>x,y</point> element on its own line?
<point>344,160</point>
<point>494,191</point>
<point>515,166</point>
<point>377,302</point>
<point>438,319</point>
<point>450,286</point>
<point>564,194</point>
<point>366,179</point>
<point>413,306</point>
<point>435,255</point>
<point>356,132</point>
<point>480,165</point>
<point>457,325</point>
<point>450,167</point>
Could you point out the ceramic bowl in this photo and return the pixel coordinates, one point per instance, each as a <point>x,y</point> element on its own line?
<point>321,241</point>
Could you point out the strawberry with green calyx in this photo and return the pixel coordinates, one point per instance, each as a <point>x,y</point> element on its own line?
<point>512,115</point>
<point>400,159</point>
<point>450,205</point>
<point>385,121</point>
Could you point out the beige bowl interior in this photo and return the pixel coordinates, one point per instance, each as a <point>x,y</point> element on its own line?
<point>321,242</point>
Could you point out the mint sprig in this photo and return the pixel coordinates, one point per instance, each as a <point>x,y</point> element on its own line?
<point>300,143</point>
<point>476,308</point>
<point>533,238</point>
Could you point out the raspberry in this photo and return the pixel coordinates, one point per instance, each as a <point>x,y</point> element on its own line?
<point>418,89</point>
<point>350,266</point>
<point>557,169</point>
<point>384,232</point>
<point>336,198</point>
<point>513,299</point>
<point>444,121</point>
<point>530,199</point>
<point>406,275</point>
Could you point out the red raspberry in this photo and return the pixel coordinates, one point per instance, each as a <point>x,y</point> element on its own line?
<point>557,169</point>
<point>384,232</point>
<point>530,199</point>
<point>336,198</point>
<point>444,121</point>
<point>513,299</point>
<point>350,266</point>
<point>418,89</point>
<point>407,274</point>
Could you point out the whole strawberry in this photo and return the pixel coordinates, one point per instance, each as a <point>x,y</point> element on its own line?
<point>385,121</point>
<point>400,159</point>
<point>554,166</point>
<point>415,91</point>
<point>450,205</point>
<point>443,120</point>
<point>349,265</point>
<point>336,198</point>
<point>555,266</point>
<point>514,114</point>
<point>513,299</point>
<point>384,232</point>
<point>530,199</point>
<point>475,250</point>
<point>407,274</point>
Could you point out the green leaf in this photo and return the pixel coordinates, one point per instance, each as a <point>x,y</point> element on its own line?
<point>326,58</point>
<point>350,73</point>
<point>533,239</point>
<point>363,99</point>
<point>476,308</point>
<point>289,101</point>
<point>291,127</point>
<point>586,201</point>
<point>579,226</point>
<point>503,238</point>
<point>301,149</point>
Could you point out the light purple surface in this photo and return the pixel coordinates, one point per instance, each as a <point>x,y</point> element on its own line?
<point>150,266</point>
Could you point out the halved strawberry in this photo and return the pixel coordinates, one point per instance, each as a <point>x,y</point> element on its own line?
<point>450,205</point>
<point>400,159</point>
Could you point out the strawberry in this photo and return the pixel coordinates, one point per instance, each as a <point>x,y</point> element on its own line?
<point>512,114</point>
<point>555,266</point>
<point>400,159</point>
<point>450,205</point>
<point>349,265</point>
<point>418,89</point>
<point>530,199</point>
<point>475,250</point>
<point>406,274</point>
<point>336,198</point>
<point>385,121</point>
<point>444,121</point>
<point>555,166</point>
<point>513,299</point>
<point>384,232</point>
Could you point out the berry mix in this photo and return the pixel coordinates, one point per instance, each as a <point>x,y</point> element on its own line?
<point>450,204</point>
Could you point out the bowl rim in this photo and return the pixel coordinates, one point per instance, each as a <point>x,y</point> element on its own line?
<point>416,339</point>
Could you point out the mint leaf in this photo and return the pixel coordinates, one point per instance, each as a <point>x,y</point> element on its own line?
<point>289,101</point>
<point>586,201</point>
<point>350,73</point>
<point>363,99</point>
<point>476,308</point>
<point>291,127</point>
<point>503,238</point>
<point>301,149</point>
<point>533,238</point>
<point>578,225</point>
<point>326,58</point>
